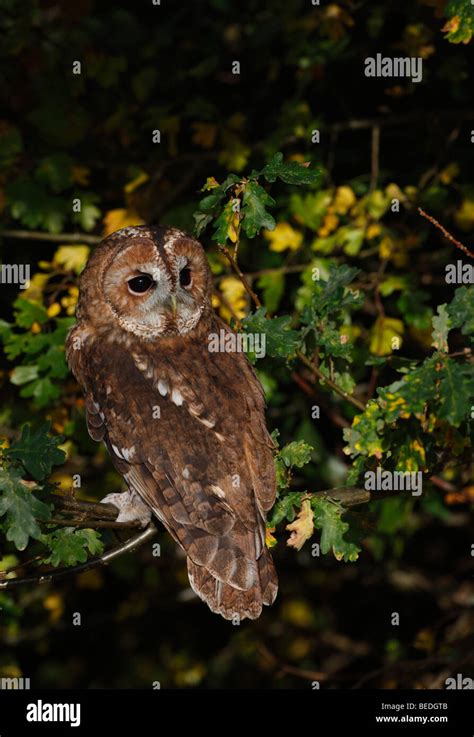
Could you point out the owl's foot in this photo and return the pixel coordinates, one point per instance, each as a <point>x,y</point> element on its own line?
<point>130,506</point>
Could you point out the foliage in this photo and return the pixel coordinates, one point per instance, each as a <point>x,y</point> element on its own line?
<point>368,359</point>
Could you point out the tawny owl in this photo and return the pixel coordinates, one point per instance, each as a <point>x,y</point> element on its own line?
<point>184,426</point>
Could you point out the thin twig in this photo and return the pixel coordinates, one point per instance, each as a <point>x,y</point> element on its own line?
<point>326,380</point>
<point>374,157</point>
<point>446,233</point>
<point>131,544</point>
<point>236,268</point>
<point>38,235</point>
<point>95,524</point>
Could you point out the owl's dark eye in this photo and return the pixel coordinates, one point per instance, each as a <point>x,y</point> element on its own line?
<point>185,277</point>
<point>140,284</point>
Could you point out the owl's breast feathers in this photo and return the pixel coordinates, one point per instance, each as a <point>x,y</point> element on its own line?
<point>186,429</point>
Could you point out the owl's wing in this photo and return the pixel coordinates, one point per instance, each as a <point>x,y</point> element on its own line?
<point>188,434</point>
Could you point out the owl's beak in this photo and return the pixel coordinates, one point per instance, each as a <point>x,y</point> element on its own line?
<point>174,305</point>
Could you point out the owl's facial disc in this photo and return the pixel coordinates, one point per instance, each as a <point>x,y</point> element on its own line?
<point>152,293</point>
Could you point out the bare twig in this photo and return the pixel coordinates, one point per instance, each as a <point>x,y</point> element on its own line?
<point>131,544</point>
<point>236,268</point>
<point>95,524</point>
<point>279,665</point>
<point>446,233</point>
<point>374,157</point>
<point>38,235</point>
<point>92,509</point>
<point>324,379</point>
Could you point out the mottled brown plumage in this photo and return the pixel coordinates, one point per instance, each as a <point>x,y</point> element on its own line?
<point>185,427</point>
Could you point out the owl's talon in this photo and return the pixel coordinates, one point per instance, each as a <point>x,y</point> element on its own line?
<point>130,506</point>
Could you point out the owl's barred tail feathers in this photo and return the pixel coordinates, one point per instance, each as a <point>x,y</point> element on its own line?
<point>230,602</point>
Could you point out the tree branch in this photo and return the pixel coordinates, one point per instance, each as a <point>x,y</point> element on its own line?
<point>326,380</point>
<point>236,268</point>
<point>130,545</point>
<point>38,235</point>
<point>446,233</point>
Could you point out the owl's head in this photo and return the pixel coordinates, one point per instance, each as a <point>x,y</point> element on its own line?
<point>150,281</point>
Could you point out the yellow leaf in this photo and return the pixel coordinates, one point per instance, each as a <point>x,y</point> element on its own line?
<point>298,612</point>
<point>211,183</point>
<point>344,200</point>
<point>449,173</point>
<point>235,155</point>
<point>386,335</point>
<point>373,231</point>
<point>270,540</point>
<point>71,258</point>
<point>204,134</point>
<point>36,328</point>
<point>120,218</point>
<point>452,25</point>
<point>54,309</point>
<point>68,448</point>
<point>330,224</point>
<point>386,247</point>
<point>55,605</point>
<point>302,528</point>
<point>300,158</point>
<point>284,236</point>
<point>234,227</point>
<point>464,217</point>
<point>234,294</point>
<point>62,480</point>
<point>136,182</point>
<point>34,293</point>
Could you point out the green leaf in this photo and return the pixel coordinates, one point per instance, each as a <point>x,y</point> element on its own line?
<point>327,518</point>
<point>26,313</point>
<point>280,340</point>
<point>42,390</point>
<point>461,310</point>
<point>212,200</point>
<point>201,221</point>
<point>410,395</point>
<point>222,224</point>
<point>37,451</point>
<point>31,203</point>
<point>272,287</point>
<point>331,296</point>
<point>89,213</point>
<point>55,171</point>
<point>255,216</point>
<point>310,209</point>
<point>441,327</point>
<point>23,374</point>
<point>285,508</point>
<point>414,310</point>
<point>70,546</point>
<point>291,172</point>
<point>297,453</point>
<point>21,509</point>
<point>456,392</point>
